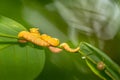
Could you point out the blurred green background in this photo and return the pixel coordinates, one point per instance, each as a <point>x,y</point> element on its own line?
<point>93,21</point>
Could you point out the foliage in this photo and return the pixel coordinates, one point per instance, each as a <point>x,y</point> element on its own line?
<point>93,57</point>
<point>93,21</point>
<point>17,61</point>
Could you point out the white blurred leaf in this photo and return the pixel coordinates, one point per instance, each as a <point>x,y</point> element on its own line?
<point>100,17</point>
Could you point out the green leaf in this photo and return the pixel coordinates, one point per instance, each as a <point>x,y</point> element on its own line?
<point>9,27</point>
<point>8,31</point>
<point>93,56</point>
<point>21,63</point>
<point>17,61</point>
